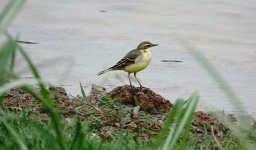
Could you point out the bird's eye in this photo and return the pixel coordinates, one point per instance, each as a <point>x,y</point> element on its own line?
<point>147,46</point>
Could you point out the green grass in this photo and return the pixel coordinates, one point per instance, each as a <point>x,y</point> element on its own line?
<point>23,130</point>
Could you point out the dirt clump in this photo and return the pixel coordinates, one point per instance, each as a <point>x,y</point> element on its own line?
<point>17,100</point>
<point>146,98</point>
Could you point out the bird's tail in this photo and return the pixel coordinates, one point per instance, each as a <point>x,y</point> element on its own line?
<point>104,71</point>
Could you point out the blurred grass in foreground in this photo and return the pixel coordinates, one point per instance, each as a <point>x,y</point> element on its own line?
<point>18,130</point>
<point>231,95</point>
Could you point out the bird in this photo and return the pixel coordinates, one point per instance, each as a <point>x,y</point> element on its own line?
<point>134,61</point>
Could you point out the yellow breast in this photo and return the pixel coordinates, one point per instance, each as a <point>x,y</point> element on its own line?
<point>141,62</point>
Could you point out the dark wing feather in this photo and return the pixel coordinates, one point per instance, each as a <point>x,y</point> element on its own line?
<point>128,59</point>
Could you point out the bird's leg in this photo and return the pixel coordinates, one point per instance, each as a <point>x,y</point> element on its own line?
<point>130,81</point>
<point>141,87</point>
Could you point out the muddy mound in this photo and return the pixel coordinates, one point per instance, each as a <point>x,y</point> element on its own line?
<point>111,111</point>
<point>146,98</point>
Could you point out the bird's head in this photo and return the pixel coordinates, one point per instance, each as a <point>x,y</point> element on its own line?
<point>145,45</point>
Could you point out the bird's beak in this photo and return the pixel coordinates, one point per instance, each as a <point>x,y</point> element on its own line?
<point>152,45</point>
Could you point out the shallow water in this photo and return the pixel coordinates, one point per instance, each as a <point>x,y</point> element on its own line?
<point>79,39</point>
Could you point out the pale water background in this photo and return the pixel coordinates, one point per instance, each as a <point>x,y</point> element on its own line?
<point>77,39</point>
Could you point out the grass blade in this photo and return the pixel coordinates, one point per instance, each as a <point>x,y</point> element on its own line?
<point>13,56</point>
<point>82,91</point>
<point>183,119</point>
<point>45,99</point>
<point>212,71</point>
<point>14,84</point>
<point>6,54</point>
<point>170,119</point>
<point>193,100</point>
<point>78,139</point>
<point>227,90</point>
<point>54,115</point>
<point>9,12</point>
<point>19,141</point>
<point>30,64</point>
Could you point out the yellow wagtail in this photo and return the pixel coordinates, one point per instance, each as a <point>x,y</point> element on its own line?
<point>134,61</point>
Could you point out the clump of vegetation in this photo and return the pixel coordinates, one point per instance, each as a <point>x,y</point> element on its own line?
<point>103,120</point>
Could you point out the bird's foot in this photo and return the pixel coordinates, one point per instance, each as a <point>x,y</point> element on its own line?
<point>142,88</point>
<point>133,89</point>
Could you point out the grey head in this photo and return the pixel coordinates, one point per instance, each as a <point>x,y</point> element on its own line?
<point>145,45</point>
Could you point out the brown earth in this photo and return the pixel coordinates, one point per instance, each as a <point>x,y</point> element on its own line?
<point>146,98</point>
<point>120,107</point>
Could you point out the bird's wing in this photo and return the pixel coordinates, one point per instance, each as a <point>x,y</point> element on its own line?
<point>128,59</point>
